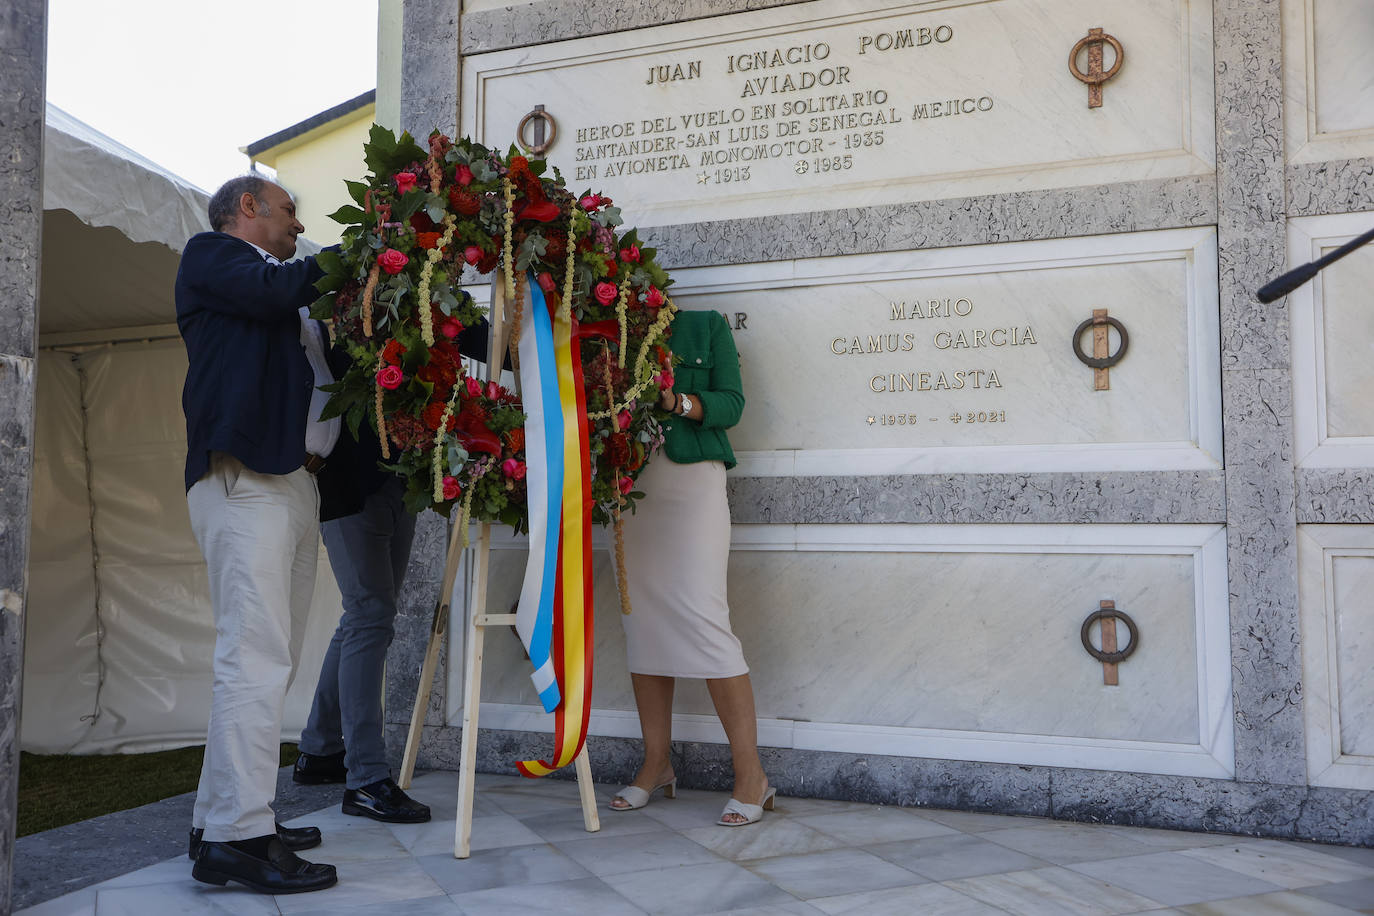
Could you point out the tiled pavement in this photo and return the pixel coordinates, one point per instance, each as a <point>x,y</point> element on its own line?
<point>531,855</point>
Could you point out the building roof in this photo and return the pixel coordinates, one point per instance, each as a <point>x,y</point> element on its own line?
<point>311,123</point>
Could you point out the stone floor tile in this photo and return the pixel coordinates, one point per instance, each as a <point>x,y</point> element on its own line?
<point>768,838</point>
<point>178,869</point>
<point>189,896</point>
<point>500,830</point>
<point>1287,865</point>
<point>362,883</point>
<point>509,865</point>
<point>1283,903</point>
<point>695,889</point>
<point>584,895</point>
<point>442,905</point>
<point>567,824</point>
<point>1356,895</point>
<point>688,810</point>
<point>1175,878</point>
<point>832,873</point>
<point>959,855</point>
<point>1170,839</point>
<point>77,903</point>
<point>796,908</point>
<point>612,855</point>
<point>874,825</point>
<point>1064,843</point>
<point>803,807</point>
<point>977,822</point>
<point>925,899</point>
<point>365,841</point>
<point>1052,892</point>
<point>522,803</point>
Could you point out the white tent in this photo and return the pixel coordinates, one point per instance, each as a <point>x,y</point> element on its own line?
<point>119,635</point>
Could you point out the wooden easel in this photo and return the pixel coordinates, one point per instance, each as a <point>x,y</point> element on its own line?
<point>476,622</point>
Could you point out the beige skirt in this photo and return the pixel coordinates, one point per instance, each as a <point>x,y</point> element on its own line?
<point>677,547</point>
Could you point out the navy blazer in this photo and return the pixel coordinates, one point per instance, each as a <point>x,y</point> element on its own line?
<point>248,384</point>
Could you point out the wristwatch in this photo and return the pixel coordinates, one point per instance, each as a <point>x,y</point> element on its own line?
<point>686,406</point>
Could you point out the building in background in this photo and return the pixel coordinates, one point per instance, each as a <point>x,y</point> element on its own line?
<point>314,157</point>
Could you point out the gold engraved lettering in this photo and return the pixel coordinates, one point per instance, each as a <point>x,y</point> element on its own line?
<point>905,38</point>
<point>978,338</point>
<point>934,380</point>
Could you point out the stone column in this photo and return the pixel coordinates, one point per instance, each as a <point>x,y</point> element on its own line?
<point>23,46</point>
<point>1257,396</point>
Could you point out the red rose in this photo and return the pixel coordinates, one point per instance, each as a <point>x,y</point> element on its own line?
<point>390,377</point>
<point>405,181</point>
<point>427,239</point>
<point>513,469</point>
<point>546,281</point>
<point>391,353</point>
<point>626,485</point>
<point>451,488</point>
<point>472,254</point>
<point>464,203</point>
<point>451,328</point>
<point>393,261</point>
<point>624,418</point>
<point>654,299</point>
<point>473,387</point>
<point>463,175</point>
<point>606,293</point>
<point>493,391</point>
<point>630,255</point>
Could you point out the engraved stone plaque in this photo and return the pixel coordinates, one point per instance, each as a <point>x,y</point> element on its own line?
<point>962,359</point>
<point>841,103</point>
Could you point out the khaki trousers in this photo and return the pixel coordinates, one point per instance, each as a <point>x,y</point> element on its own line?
<point>259,534</point>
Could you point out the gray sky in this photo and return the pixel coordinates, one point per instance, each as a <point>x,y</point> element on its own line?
<point>188,82</point>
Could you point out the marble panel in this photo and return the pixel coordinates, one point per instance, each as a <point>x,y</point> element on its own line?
<point>972,617</point>
<point>1328,79</point>
<point>818,105</point>
<point>1332,326</point>
<point>1336,577</point>
<point>490,25</point>
<point>962,360</point>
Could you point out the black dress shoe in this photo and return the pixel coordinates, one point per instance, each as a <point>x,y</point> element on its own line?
<point>293,838</point>
<point>318,770</point>
<point>383,800</point>
<point>280,872</point>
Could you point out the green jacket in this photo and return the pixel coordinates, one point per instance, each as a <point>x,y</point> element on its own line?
<point>708,371</point>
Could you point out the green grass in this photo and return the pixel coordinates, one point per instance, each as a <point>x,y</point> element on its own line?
<point>62,789</point>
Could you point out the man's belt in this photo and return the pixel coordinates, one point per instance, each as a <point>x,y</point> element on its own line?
<point>313,463</point>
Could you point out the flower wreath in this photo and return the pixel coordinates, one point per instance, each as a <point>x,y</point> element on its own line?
<point>393,292</point>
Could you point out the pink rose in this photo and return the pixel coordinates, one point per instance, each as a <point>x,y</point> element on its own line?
<point>513,469</point>
<point>664,380</point>
<point>472,254</point>
<point>463,175</point>
<point>624,419</point>
<point>390,377</point>
<point>393,261</point>
<point>493,391</point>
<point>590,202</point>
<point>546,281</point>
<point>626,485</point>
<point>451,328</point>
<point>474,387</point>
<point>451,488</point>
<point>654,299</point>
<point>405,181</point>
<point>606,293</point>
<point>630,254</point>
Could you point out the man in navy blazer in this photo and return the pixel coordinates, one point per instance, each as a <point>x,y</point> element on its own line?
<point>253,448</point>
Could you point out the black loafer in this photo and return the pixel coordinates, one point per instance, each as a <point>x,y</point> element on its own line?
<point>319,770</point>
<point>293,838</point>
<point>383,800</point>
<point>281,872</point>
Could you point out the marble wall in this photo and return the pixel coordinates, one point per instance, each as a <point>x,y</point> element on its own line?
<point>1268,731</point>
<point>23,44</point>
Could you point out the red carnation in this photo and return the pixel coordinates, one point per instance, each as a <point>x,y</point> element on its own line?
<point>391,353</point>
<point>433,413</point>
<point>427,239</point>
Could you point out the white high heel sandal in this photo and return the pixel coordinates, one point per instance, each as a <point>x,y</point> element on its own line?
<point>751,813</point>
<point>635,797</point>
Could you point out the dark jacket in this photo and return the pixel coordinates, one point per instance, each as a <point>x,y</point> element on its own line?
<point>248,384</point>
<point>709,373</point>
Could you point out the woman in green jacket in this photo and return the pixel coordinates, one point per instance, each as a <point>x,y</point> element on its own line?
<point>677,547</point>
